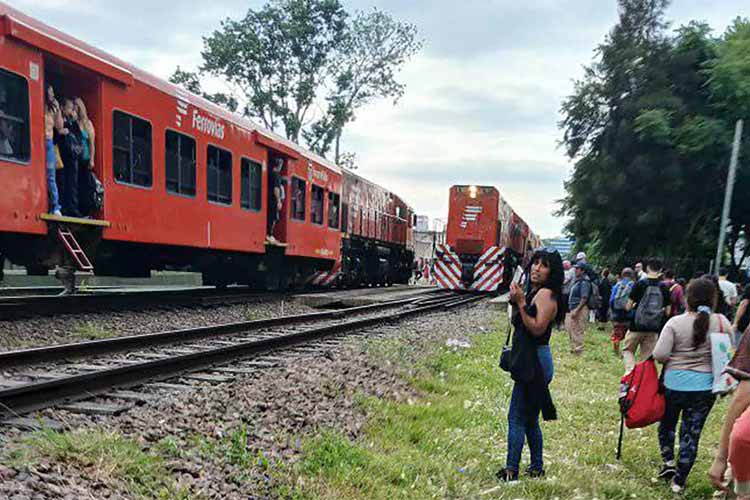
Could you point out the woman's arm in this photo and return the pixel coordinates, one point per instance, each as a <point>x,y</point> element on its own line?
<point>92,144</point>
<point>737,407</point>
<point>665,344</point>
<point>546,310</point>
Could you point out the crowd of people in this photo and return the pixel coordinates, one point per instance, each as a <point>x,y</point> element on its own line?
<point>70,150</point>
<point>654,316</point>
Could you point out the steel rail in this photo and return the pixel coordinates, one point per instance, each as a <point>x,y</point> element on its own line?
<point>35,396</point>
<point>36,355</point>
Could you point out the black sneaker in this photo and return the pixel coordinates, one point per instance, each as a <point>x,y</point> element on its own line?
<point>535,473</point>
<point>667,473</point>
<point>507,475</point>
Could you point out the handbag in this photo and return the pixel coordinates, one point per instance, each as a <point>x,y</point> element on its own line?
<point>721,354</point>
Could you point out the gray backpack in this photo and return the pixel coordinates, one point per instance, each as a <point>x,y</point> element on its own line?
<point>649,314</point>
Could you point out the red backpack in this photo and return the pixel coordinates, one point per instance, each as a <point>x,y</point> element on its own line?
<point>641,398</point>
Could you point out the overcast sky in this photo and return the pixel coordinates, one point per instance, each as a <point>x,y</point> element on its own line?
<point>482,97</point>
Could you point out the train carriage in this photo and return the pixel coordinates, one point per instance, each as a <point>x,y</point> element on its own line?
<point>485,241</point>
<point>186,183</point>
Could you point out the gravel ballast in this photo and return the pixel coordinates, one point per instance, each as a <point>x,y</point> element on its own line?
<point>272,410</point>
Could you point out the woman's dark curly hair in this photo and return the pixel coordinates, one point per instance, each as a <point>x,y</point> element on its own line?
<point>551,258</point>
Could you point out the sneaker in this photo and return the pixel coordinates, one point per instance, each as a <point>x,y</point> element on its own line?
<point>535,473</point>
<point>667,473</point>
<point>507,475</point>
<point>676,488</point>
<point>57,213</point>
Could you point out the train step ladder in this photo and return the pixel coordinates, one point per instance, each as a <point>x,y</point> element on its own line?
<point>74,249</point>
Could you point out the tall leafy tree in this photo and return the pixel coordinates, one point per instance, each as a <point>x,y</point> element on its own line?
<point>649,129</point>
<point>304,67</point>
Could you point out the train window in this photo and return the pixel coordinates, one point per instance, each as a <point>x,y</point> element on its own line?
<point>298,198</point>
<point>250,192</point>
<point>316,204</point>
<point>14,118</point>
<point>219,175</point>
<point>131,150</point>
<point>180,163</point>
<point>333,210</point>
<point>344,217</point>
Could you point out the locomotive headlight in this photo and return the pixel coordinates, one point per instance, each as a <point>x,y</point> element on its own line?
<point>472,191</point>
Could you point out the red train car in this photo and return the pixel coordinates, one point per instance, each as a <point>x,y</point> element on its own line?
<point>186,183</point>
<point>485,240</point>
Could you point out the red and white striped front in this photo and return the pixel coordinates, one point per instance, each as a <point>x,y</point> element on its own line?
<point>325,278</point>
<point>488,271</point>
<point>447,269</point>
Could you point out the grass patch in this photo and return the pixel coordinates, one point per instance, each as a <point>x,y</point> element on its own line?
<point>450,443</point>
<point>90,331</point>
<point>105,457</point>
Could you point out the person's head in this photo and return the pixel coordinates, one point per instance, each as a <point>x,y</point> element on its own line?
<point>546,271</point>
<point>639,267</point>
<point>566,265</point>
<point>627,272</point>
<point>653,266</point>
<point>50,95</point>
<point>69,109</point>
<point>581,257</point>
<point>580,269</point>
<point>278,164</point>
<point>723,272</point>
<point>605,272</point>
<point>668,275</point>
<point>81,113</point>
<point>701,299</point>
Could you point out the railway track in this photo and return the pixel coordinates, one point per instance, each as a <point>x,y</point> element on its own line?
<point>38,378</point>
<point>30,306</point>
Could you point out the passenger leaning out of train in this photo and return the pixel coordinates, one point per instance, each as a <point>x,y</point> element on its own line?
<point>277,197</point>
<point>70,142</point>
<point>53,124</point>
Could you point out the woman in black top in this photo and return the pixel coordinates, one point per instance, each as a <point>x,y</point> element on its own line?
<point>534,314</point>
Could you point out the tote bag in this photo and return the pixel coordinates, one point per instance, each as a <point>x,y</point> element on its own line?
<point>722,351</point>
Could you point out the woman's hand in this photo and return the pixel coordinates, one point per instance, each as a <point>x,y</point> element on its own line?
<point>517,296</point>
<point>91,165</point>
<point>716,474</point>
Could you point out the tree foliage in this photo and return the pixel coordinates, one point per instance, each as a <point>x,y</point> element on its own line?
<point>304,67</point>
<point>650,128</point>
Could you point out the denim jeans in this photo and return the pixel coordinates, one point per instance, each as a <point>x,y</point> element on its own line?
<point>522,427</point>
<point>52,194</point>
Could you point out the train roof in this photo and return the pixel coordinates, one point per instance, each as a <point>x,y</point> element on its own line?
<point>17,24</point>
<point>349,173</point>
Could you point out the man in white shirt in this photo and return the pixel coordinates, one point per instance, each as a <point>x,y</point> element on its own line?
<point>728,288</point>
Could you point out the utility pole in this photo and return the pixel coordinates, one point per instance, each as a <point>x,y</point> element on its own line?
<point>728,195</point>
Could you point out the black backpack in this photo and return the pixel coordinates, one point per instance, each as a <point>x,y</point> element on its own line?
<point>649,315</point>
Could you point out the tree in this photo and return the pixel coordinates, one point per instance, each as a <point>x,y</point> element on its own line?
<point>292,57</point>
<point>649,127</point>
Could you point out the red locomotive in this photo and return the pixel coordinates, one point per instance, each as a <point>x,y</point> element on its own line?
<point>485,241</point>
<point>186,183</point>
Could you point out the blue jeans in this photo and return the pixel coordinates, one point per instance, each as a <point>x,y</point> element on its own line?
<point>52,194</point>
<point>522,427</point>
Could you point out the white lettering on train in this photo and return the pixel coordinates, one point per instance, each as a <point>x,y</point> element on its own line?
<point>208,125</point>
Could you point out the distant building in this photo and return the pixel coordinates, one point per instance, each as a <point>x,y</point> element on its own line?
<point>563,245</point>
<point>424,243</point>
<point>423,223</point>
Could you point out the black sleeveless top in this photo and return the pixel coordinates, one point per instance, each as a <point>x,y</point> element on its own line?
<point>531,311</point>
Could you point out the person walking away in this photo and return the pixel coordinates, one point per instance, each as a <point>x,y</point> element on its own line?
<point>70,150</point>
<point>734,444</point>
<point>742,318</point>
<point>650,302</point>
<point>575,322</point>
<point>53,122</point>
<point>676,294</point>
<point>618,302</point>
<point>605,289</point>
<point>684,347</point>
<point>729,290</point>
<point>86,160</point>
<point>534,314</point>
<point>639,274</point>
<point>568,277</point>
